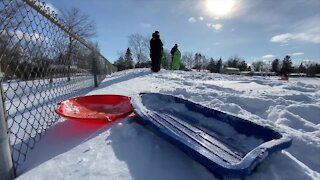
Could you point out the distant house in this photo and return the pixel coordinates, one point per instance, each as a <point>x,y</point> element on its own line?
<point>298,75</point>
<point>229,70</point>
<point>246,73</point>
<point>264,73</point>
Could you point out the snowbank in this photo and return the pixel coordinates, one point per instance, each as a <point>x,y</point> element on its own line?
<point>71,150</point>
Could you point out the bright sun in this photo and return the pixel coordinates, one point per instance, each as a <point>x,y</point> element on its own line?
<point>220,7</point>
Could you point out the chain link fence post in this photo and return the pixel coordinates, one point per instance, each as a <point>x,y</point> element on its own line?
<point>6,164</point>
<point>69,57</point>
<point>95,69</point>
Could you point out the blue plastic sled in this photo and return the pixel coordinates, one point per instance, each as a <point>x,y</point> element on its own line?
<point>227,145</point>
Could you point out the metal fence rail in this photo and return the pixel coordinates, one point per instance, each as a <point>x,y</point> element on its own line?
<point>42,62</point>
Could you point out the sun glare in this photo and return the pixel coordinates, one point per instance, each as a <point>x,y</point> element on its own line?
<point>220,8</point>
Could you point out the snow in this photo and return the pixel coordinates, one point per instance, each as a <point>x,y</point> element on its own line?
<point>126,150</point>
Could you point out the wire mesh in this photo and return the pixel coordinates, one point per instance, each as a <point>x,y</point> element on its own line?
<point>43,63</point>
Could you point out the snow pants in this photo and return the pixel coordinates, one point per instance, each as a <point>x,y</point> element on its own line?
<point>155,64</point>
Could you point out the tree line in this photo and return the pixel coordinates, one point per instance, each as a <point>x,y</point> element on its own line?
<point>136,56</point>
<point>38,52</point>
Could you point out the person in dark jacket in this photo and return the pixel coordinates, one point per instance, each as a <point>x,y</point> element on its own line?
<point>175,47</point>
<point>156,48</point>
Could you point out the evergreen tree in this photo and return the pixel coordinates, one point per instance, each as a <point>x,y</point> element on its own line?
<point>128,59</point>
<point>243,66</point>
<point>212,65</point>
<point>233,62</point>
<point>120,64</point>
<point>313,69</point>
<point>197,61</point>
<point>219,66</point>
<point>275,66</point>
<point>286,66</point>
<point>204,62</point>
<point>302,68</point>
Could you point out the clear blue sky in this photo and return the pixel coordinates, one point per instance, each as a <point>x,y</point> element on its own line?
<point>251,29</point>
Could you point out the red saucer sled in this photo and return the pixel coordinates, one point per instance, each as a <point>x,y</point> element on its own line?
<point>95,108</point>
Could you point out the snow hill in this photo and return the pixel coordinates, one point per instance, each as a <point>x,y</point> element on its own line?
<point>126,150</point>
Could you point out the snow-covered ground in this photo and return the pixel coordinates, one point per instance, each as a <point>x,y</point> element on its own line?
<point>125,150</point>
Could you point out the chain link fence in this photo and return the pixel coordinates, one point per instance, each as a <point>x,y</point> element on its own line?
<point>42,63</point>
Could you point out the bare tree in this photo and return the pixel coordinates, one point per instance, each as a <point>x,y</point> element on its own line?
<point>79,23</point>
<point>187,60</point>
<point>258,65</point>
<point>10,48</point>
<point>10,56</point>
<point>139,46</point>
<point>82,25</point>
<point>10,15</point>
<point>204,62</point>
<point>166,60</point>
